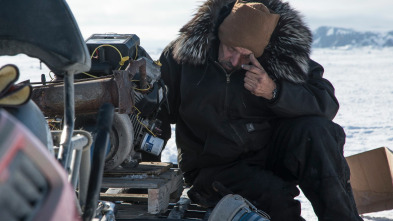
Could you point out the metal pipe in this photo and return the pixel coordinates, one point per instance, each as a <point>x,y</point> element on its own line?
<point>89,96</point>
<point>79,143</point>
<point>83,167</point>
<point>84,174</point>
<point>69,116</point>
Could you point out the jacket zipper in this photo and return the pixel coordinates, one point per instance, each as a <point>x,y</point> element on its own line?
<point>226,92</point>
<point>228,75</point>
<point>228,80</point>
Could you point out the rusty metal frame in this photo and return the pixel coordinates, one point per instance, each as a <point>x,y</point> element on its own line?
<point>90,94</point>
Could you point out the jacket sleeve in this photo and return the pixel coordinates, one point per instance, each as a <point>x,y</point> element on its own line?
<point>315,97</point>
<point>170,74</point>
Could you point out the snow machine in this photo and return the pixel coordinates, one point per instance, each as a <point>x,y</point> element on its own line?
<point>39,177</point>
<point>98,114</point>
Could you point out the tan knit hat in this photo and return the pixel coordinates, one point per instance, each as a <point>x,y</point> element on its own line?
<point>249,25</point>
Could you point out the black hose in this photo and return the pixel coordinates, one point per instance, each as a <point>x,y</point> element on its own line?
<point>104,123</point>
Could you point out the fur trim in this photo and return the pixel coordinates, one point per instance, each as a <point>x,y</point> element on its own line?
<point>196,36</point>
<point>285,57</point>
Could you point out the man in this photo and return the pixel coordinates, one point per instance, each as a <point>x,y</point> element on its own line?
<point>253,112</point>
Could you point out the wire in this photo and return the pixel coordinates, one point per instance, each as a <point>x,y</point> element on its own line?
<point>137,118</point>
<point>147,89</point>
<point>122,59</point>
<point>158,63</point>
<point>136,52</point>
<point>50,75</point>
<point>105,45</point>
<point>52,124</point>
<point>138,89</point>
<point>121,62</point>
<point>90,75</point>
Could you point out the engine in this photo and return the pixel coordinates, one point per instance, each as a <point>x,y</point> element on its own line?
<point>137,133</point>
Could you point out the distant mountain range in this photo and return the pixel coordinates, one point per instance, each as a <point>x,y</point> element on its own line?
<point>328,37</point>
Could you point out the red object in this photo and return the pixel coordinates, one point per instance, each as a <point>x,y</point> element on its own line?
<point>23,155</point>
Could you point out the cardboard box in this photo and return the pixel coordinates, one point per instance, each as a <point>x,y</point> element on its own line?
<point>372,179</point>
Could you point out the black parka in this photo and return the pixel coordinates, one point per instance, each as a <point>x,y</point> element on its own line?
<point>217,120</point>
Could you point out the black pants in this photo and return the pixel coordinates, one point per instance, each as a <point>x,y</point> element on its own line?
<point>306,151</point>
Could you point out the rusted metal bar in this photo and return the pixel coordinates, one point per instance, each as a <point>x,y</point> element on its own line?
<point>125,91</point>
<point>139,65</point>
<point>89,96</point>
<point>116,89</point>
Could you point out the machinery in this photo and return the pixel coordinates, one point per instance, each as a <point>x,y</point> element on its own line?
<point>123,74</point>
<point>136,132</point>
<point>99,113</point>
<point>49,170</point>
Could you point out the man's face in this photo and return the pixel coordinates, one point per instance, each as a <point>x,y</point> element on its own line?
<point>232,58</point>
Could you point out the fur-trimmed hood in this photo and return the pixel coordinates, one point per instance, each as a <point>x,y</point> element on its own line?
<point>285,57</point>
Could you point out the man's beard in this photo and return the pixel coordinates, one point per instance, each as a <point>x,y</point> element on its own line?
<point>227,65</point>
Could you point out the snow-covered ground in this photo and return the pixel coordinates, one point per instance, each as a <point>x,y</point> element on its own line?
<point>362,80</point>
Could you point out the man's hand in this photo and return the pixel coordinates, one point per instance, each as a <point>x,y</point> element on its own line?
<point>257,81</point>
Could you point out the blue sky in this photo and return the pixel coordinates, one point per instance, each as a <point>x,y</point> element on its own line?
<point>157,22</point>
